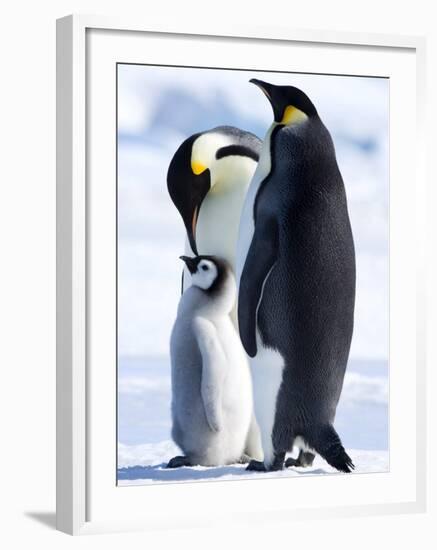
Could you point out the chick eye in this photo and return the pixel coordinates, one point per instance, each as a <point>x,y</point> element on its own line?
<point>205,267</point>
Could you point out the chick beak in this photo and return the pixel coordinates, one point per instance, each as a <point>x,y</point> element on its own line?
<point>190,263</point>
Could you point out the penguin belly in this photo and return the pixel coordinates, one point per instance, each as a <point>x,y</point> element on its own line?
<point>267,366</point>
<point>219,216</point>
<point>247,225</point>
<point>267,369</point>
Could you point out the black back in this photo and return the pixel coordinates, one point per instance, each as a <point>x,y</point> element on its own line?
<point>302,261</point>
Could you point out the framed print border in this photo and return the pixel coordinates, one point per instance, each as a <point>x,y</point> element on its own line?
<point>73,377</point>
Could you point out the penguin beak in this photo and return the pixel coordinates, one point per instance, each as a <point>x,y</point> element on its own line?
<point>190,263</point>
<point>269,92</point>
<point>263,86</point>
<point>199,189</point>
<point>187,191</point>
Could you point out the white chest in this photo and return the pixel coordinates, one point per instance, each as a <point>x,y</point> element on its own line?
<point>247,225</point>
<point>267,366</point>
<point>219,216</point>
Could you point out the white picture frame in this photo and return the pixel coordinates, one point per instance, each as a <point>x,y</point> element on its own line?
<point>78,489</point>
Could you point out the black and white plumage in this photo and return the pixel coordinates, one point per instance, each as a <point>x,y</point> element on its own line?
<point>296,272</point>
<point>207,180</point>
<point>212,400</point>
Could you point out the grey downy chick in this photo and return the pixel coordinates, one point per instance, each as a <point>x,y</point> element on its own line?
<point>211,382</point>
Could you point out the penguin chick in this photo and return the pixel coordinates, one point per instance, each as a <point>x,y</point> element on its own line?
<point>211,383</point>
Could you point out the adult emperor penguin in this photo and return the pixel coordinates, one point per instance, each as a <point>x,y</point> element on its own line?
<point>296,274</point>
<point>211,384</point>
<point>207,180</point>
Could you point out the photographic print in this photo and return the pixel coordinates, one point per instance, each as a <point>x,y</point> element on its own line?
<point>252,274</point>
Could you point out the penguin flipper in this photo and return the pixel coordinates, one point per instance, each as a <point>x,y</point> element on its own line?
<point>214,367</point>
<point>259,262</point>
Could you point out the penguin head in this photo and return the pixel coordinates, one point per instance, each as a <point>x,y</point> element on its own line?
<point>200,163</point>
<point>290,105</point>
<point>204,270</point>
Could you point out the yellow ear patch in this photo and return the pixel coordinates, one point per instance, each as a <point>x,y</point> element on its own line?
<point>197,167</point>
<point>293,115</point>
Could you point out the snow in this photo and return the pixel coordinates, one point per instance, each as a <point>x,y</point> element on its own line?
<point>145,464</point>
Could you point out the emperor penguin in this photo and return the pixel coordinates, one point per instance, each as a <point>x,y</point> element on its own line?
<point>296,277</point>
<point>207,180</point>
<point>211,385</point>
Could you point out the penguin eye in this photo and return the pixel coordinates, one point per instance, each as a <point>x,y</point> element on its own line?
<point>205,267</point>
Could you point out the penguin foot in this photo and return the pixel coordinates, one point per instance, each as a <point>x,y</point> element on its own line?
<point>304,460</point>
<point>245,459</point>
<point>275,466</point>
<point>178,462</point>
<point>256,466</point>
<point>278,462</point>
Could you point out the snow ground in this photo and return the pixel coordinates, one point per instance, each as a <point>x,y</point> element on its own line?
<point>145,464</point>
<point>144,425</point>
